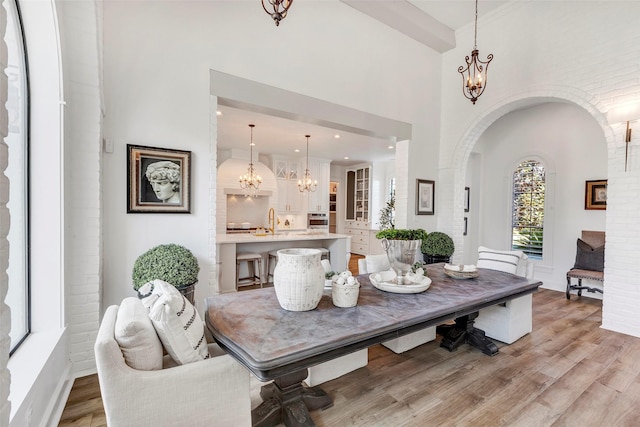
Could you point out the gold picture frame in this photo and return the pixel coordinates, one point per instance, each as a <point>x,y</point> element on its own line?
<point>595,197</point>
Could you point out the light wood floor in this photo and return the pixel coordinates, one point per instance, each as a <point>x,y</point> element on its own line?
<point>568,372</point>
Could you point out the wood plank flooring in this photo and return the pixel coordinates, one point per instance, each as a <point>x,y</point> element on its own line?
<point>568,372</point>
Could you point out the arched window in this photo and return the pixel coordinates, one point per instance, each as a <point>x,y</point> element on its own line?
<point>16,141</point>
<point>527,214</point>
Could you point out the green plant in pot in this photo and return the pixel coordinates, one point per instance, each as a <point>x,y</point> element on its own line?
<point>437,247</point>
<point>172,263</point>
<point>401,246</point>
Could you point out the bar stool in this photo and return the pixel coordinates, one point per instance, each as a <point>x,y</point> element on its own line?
<point>326,254</point>
<point>273,255</point>
<point>254,274</point>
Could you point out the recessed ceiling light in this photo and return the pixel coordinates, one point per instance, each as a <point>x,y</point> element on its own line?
<point>346,158</point>
<point>390,147</point>
<point>218,113</point>
<point>336,136</point>
<point>297,150</point>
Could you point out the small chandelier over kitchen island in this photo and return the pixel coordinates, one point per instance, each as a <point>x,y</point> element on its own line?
<point>250,182</point>
<point>474,76</point>
<point>307,183</point>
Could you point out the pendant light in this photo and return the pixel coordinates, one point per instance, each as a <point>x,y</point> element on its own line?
<point>280,9</point>
<point>307,183</point>
<point>250,182</point>
<point>474,76</point>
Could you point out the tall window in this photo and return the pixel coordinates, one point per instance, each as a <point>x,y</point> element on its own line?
<point>17,172</point>
<point>527,217</point>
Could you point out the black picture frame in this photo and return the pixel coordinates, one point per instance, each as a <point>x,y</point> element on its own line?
<point>466,222</point>
<point>172,172</point>
<point>425,197</point>
<point>466,198</point>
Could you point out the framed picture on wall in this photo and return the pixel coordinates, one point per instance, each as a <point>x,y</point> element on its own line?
<point>425,191</point>
<point>595,194</point>
<point>466,199</point>
<point>158,180</point>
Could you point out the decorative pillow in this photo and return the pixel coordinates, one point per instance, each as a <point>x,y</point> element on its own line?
<point>176,321</point>
<point>492,259</point>
<point>136,336</point>
<point>588,257</point>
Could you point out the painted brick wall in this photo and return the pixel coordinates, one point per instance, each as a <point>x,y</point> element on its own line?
<point>80,38</point>
<point>589,56</point>
<point>5,314</point>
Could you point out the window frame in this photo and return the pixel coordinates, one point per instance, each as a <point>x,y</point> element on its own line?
<point>26,122</point>
<point>543,252</point>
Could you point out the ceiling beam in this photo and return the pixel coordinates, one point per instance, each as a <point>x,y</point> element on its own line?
<point>409,20</point>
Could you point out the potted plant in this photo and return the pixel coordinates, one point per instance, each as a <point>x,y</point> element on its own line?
<point>437,247</point>
<point>402,246</point>
<point>387,214</point>
<point>172,263</point>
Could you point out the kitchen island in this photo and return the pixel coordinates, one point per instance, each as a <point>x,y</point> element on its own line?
<point>228,245</point>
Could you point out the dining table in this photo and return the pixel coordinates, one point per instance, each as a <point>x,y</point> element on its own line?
<point>280,345</point>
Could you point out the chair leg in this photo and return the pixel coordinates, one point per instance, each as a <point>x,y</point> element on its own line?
<point>237,275</point>
<point>260,271</point>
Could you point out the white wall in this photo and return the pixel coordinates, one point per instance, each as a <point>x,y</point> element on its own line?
<point>157,57</point>
<point>588,56</point>
<point>571,145</point>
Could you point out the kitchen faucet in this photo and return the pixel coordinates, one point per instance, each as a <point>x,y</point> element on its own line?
<point>272,221</point>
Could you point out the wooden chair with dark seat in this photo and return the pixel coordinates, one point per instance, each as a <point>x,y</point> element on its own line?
<point>589,263</point>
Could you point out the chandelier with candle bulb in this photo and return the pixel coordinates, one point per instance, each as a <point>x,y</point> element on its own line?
<point>250,182</point>
<point>307,183</point>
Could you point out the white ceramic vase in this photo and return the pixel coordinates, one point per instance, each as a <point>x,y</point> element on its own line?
<point>298,279</point>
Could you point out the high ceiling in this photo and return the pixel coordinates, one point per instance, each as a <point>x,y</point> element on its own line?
<point>276,135</point>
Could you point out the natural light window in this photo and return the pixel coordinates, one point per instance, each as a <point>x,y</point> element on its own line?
<point>17,173</point>
<point>527,216</point>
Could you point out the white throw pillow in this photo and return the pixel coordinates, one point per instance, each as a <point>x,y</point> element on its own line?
<point>137,337</point>
<point>176,321</point>
<point>492,259</point>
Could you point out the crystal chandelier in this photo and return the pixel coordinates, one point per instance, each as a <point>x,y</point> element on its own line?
<point>280,9</point>
<point>307,183</point>
<point>250,182</point>
<point>474,76</point>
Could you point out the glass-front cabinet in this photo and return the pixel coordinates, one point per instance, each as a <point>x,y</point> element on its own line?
<point>358,190</point>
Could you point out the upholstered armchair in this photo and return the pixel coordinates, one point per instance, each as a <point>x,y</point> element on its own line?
<point>210,392</point>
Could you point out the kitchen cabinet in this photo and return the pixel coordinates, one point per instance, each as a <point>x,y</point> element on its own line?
<point>358,190</point>
<point>318,201</point>
<point>289,197</point>
<point>360,236</point>
<point>287,172</point>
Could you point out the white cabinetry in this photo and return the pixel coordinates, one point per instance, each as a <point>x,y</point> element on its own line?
<point>358,190</point>
<point>359,232</point>
<point>319,200</point>
<point>289,197</point>
<point>287,173</point>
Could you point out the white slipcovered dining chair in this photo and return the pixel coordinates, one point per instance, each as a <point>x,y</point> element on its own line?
<point>512,320</point>
<point>380,262</point>
<point>373,264</point>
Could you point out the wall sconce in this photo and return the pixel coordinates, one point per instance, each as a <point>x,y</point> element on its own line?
<point>625,113</point>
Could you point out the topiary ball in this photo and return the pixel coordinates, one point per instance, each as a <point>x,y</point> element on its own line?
<point>172,263</point>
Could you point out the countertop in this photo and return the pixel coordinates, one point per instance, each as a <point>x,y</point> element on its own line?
<point>281,236</point>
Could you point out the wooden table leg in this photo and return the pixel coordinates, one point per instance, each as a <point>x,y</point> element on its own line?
<point>286,400</point>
